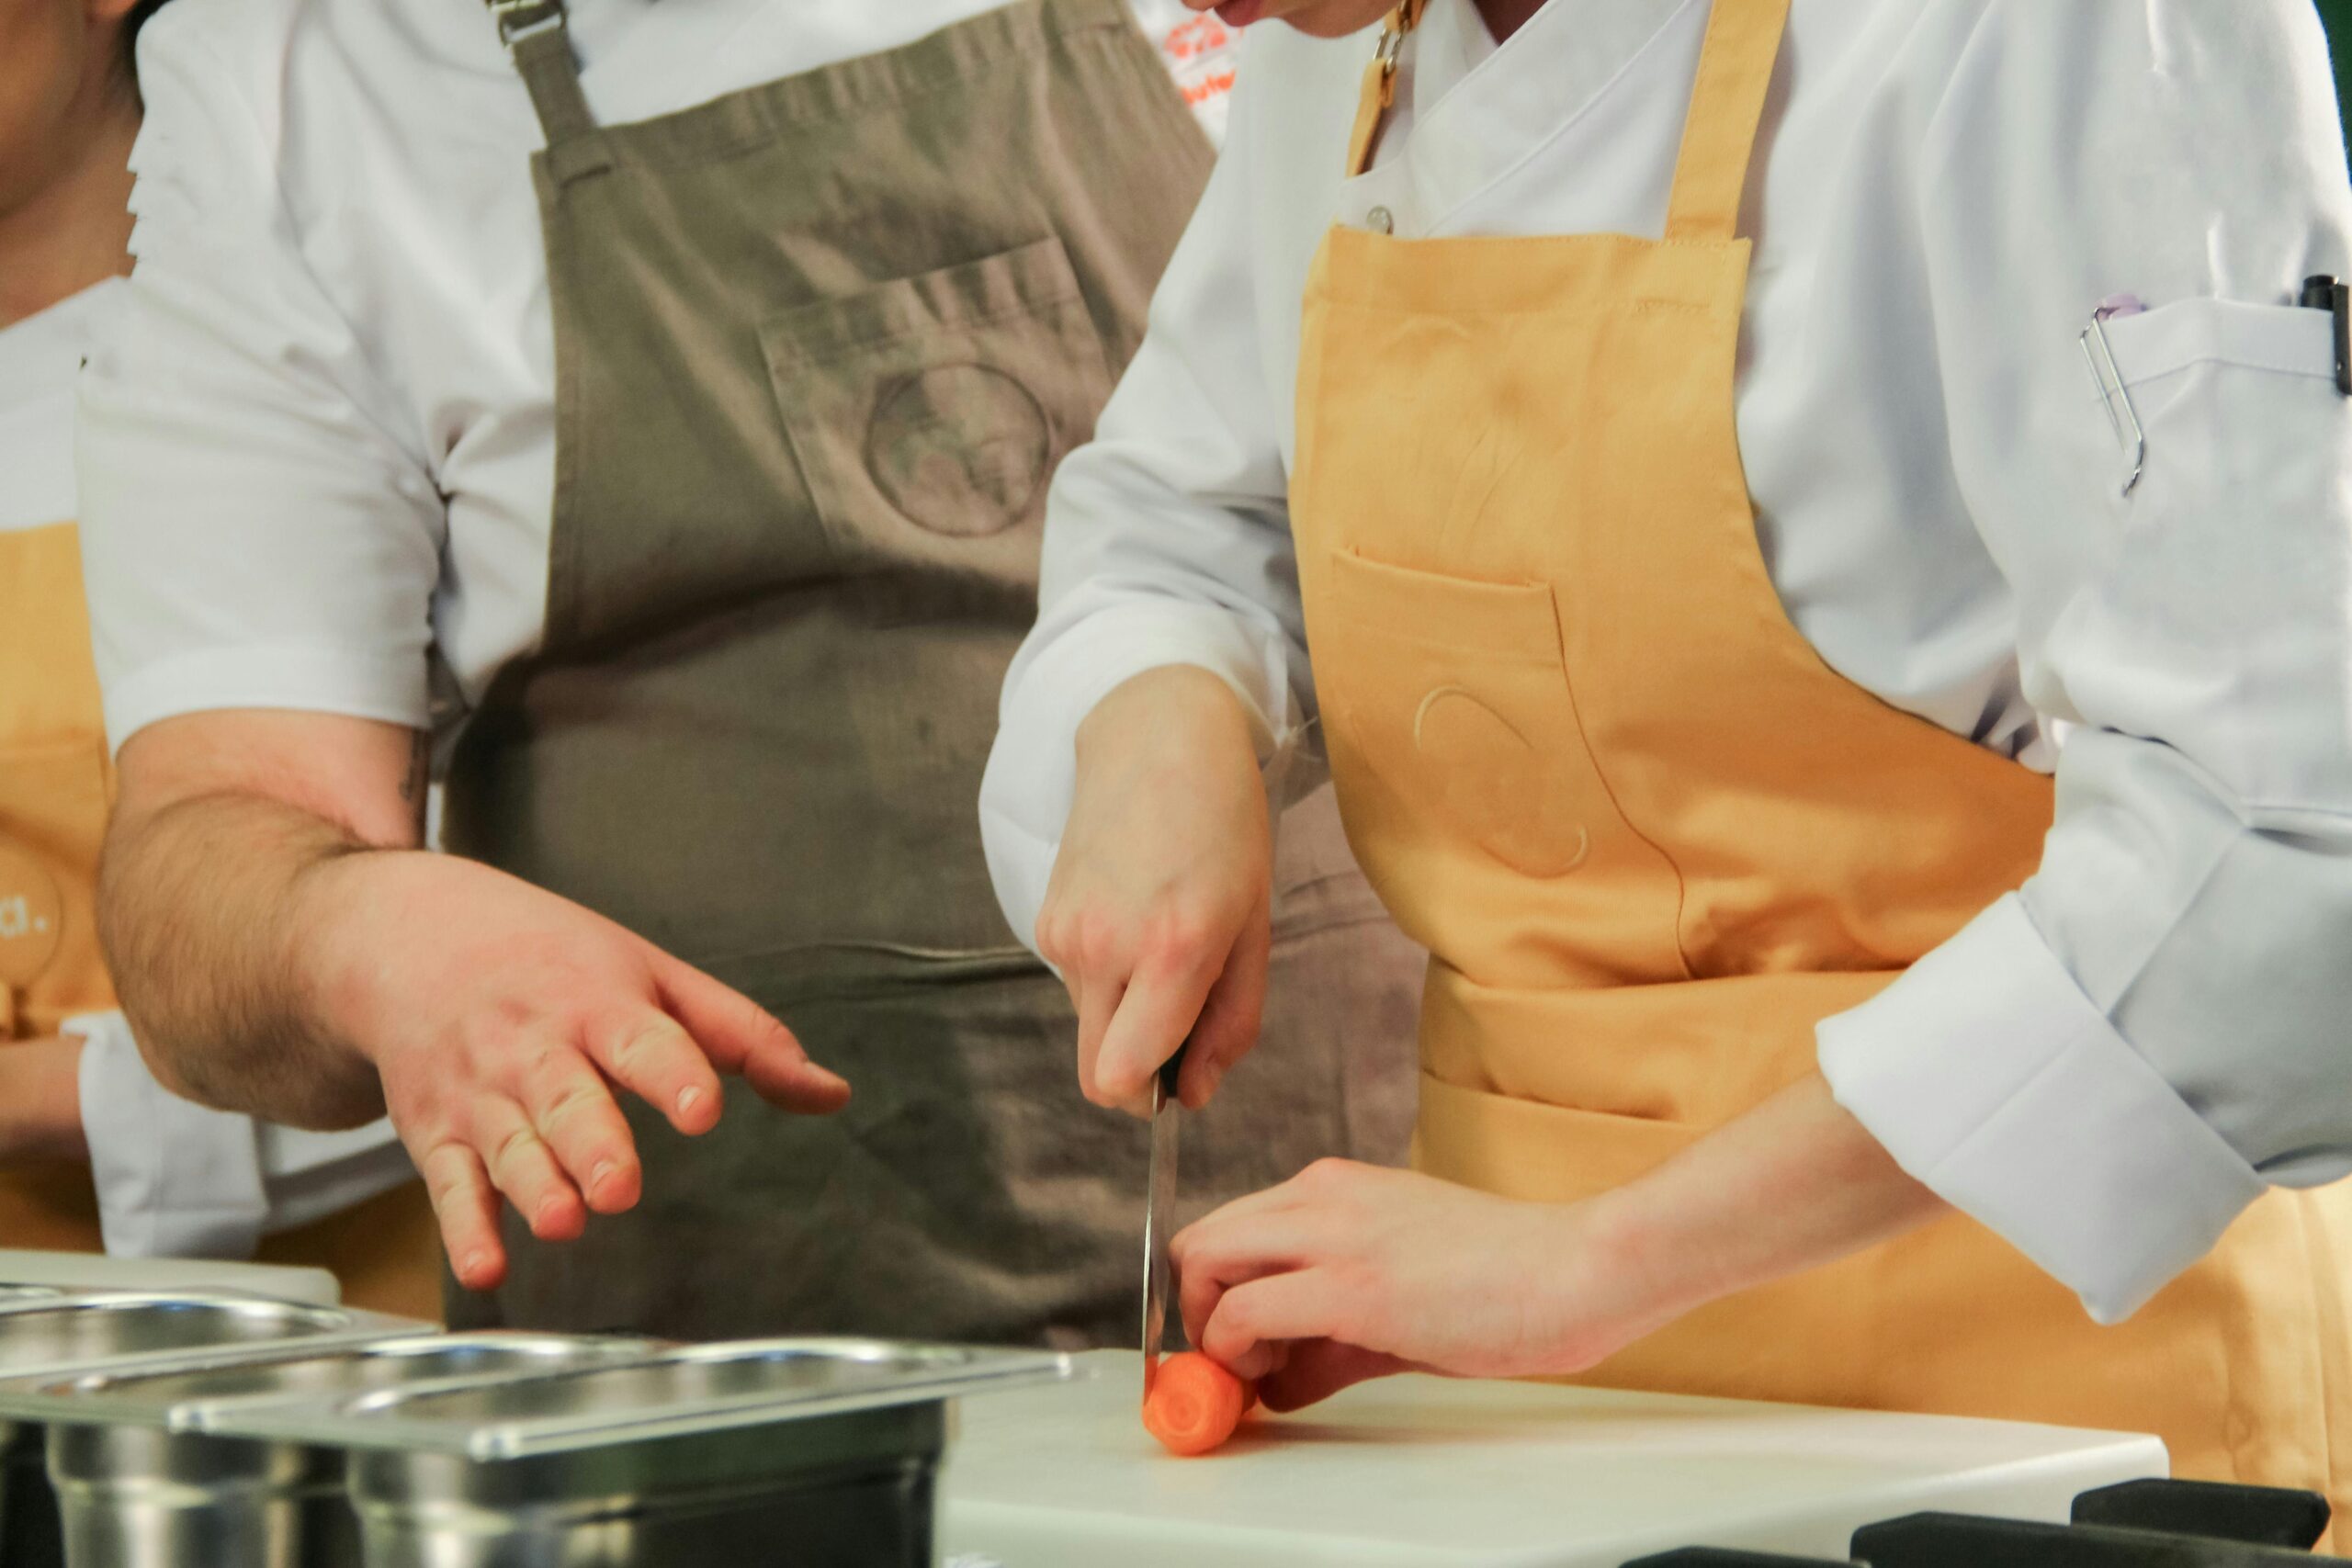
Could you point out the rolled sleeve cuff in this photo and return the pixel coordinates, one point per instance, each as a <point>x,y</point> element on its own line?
<point>308,1176</point>
<point>1991,1078</point>
<point>356,684</point>
<point>173,1179</point>
<point>1025,794</point>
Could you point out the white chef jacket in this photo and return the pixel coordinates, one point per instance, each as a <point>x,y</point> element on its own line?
<point>2109,1067</point>
<point>173,1179</point>
<point>319,438</point>
<point>179,1179</point>
<point>318,425</point>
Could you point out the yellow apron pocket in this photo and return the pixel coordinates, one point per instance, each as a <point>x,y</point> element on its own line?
<point>1452,692</point>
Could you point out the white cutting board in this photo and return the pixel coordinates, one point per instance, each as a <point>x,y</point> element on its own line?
<point>1414,1472</point>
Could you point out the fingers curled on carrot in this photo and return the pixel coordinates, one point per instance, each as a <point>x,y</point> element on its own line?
<point>1195,1405</point>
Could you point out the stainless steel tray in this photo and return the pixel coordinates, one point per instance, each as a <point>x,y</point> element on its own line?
<point>676,1392</point>
<point>78,1273</point>
<point>48,1337</point>
<point>184,1392</point>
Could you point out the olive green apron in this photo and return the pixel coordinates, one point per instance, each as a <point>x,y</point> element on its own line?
<point>818,345</point>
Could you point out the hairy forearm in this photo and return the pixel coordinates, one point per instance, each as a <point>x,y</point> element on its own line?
<point>207,906</point>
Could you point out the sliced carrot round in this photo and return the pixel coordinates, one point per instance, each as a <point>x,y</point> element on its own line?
<point>1194,1404</point>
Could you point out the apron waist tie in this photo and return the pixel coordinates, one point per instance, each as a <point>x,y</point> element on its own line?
<point>1693,1053</point>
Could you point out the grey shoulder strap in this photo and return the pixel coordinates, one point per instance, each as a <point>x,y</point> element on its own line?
<point>536,35</point>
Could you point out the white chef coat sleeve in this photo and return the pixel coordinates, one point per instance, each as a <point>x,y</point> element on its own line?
<point>260,526</point>
<point>311,1175</point>
<point>179,1179</point>
<point>2109,1067</point>
<point>173,1179</point>
<point>1166,541</point>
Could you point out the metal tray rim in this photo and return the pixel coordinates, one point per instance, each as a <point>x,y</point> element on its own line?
<point>59,1296</point>
<point>37,1396</point>
<point>370,1422</point>
<point>362,1326</point>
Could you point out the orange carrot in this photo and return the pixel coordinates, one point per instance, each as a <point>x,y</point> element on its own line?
<point>1195,1404</point>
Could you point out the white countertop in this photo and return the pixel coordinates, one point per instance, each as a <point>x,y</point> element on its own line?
<point>1416,1473</point>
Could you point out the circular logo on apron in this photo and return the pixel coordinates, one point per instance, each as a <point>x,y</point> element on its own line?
<point>1496,786</point>
<point>32,918</point>
<point>960,449</point>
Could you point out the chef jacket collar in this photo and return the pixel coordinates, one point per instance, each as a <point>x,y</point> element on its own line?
<point>1484,110</point>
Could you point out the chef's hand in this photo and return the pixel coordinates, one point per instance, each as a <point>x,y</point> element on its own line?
<point>283,949</point>
<point>1349,1272</point>
<point>502,1017</point>
<point>1159,913</point>
<point>41,1101</point>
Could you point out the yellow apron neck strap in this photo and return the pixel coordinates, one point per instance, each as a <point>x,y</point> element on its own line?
<point>1380,84</point>
<point>1726,109</point>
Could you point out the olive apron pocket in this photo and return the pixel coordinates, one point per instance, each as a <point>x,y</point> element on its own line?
<point>928,413</point>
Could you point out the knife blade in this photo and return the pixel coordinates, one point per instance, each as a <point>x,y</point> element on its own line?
<point>1160,1213</point>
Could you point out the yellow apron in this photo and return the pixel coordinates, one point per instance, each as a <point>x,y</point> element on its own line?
<point>55,787</point>
<point>1651,839</point>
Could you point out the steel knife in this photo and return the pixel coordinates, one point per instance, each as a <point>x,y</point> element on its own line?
<point>1160,1213</point>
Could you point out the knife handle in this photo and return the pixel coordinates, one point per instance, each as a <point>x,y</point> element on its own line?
<point>1171,1069</point>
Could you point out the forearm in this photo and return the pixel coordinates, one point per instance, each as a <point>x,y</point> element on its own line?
<point>1794,1184</point>
<point>1163,714</point>
<point>207,907</point>
<point>1166,544</point>
<point>1349,1271</point>
<point>41,1101</point>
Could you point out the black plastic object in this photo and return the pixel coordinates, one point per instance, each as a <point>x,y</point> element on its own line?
<point>31,1533</point>
<point>1959,1540</point>
<point>1716,1557</point>
<point>2323,292</point>
<point>2264,1516</point>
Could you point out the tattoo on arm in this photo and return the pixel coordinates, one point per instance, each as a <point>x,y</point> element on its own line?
<point>412,782</point>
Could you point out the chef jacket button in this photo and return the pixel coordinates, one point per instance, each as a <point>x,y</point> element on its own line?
<point>1380,220</point>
